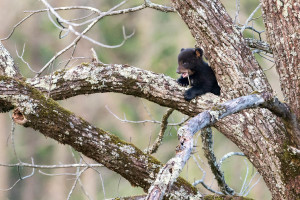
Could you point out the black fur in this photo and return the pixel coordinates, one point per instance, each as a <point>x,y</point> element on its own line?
<point>202,77</point>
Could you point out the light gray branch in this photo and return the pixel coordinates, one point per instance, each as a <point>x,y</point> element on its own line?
<point>258,44</point>
<point>171,170</point>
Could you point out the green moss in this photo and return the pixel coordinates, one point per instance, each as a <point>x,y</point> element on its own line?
<point>255,92</point>
<point>290,164</point>
<point>85,64</point>
<point>218,108</point>
<point>227,197</point>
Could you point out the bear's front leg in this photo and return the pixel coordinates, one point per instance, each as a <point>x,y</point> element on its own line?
<point>193,92</point>
<point>183,81</point>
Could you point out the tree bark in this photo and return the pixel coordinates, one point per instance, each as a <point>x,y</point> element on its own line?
<point>34,110</point>
<point>282,24</point>
<point>262,136</point>
<point>270,142</point>
<point>259,143</point>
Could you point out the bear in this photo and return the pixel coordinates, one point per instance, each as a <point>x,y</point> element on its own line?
<point>196,73</point>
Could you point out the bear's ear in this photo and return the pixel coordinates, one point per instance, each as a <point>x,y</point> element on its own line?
<point>199,52</point>
<point>182,49</point>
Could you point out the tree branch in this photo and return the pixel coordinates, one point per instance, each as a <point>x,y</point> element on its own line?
<point>283,27</point>
<point>207,142</point>
<point>171,170</point>
<point>163,127</point>
<point>46,116</point>
<point>258,44</point>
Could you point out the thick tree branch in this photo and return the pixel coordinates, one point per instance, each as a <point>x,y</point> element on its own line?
<point>171,170</point>
<point>86,79</point>
<point>46,116</point>
<point>239,74</point>
<point>163,90</point>
<point>95,78</point>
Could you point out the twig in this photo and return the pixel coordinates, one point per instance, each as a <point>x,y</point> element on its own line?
<point>16,25</point>
<point>228,155</point>
<point>78,174</point>
<point>245,179</point>
<point>201,181</point>
<point>247,192</point>
<point>250,17</point>
<point>163,127</point>
<point>100,175</point>
<point>141,122</point>
<point>84,190</point>
<point>237,12</point>
<point>20,179</point>
<point>22,164</point>
<point>21,57</point>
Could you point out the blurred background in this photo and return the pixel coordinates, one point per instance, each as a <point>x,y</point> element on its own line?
<point>157,41</point>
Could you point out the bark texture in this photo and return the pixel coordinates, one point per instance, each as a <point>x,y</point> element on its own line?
<point>255,136</point>
<point>262,138</point>
<point>269,141</point>
<point>282,22</point>
<point>45,115</point>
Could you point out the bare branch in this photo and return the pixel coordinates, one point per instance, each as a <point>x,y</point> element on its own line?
<point>201,181</point>
<point>140,122</point>
<point>21,57</point>
<point>78,174</point>
<point>171,170</point>
<point>22,164</point>
<point>207,142</point>
<point>81,35</point>
<point>228,155</point>
<point>258,44</point>
<point>250,17</point>
<point>158,141</point>
<point>21,178</point>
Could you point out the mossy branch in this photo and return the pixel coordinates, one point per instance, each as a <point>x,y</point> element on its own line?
<point>46,116</point>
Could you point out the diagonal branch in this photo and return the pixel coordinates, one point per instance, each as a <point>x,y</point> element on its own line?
<point>45,115</point>
<point>206,135</point>
<point>171,170</point>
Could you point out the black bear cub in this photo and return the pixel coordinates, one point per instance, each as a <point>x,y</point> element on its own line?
<point>197,73</point>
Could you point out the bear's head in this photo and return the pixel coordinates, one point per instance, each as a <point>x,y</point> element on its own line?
<point>188,61</point>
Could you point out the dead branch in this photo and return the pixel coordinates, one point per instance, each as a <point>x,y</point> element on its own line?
<point>206,135</point>
<point>164,125</point>
<point>171,170</point>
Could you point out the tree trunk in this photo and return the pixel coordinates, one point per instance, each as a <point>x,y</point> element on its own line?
<point>269,141</point>
<point>260,135</point>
